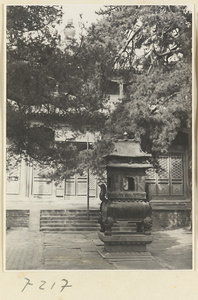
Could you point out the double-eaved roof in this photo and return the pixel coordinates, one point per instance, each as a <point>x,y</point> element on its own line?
<point>127,148</point>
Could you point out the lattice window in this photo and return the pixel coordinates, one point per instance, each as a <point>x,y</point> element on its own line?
<point>176,167</point>
<point>164,171</point>
<point>41,171</point>
<point>14,174</point>
<point>150,174</point>
<point>169,180</point>
<point>41,185</point>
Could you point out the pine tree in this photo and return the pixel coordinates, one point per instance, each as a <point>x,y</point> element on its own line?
<point>48,87</point>
<point>150,47</point>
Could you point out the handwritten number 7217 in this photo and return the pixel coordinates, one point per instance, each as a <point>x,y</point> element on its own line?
<point>44,285</point>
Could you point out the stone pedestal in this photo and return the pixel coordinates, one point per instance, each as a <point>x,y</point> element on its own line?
<point>125,242</point>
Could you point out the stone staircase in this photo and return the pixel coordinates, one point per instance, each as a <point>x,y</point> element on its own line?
<point>76,221</point>
<point>68,221</point>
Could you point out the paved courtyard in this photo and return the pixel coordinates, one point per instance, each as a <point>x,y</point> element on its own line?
<point>25,250</point>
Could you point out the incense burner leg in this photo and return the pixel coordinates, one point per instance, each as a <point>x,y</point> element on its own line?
<point>108,224</point>
<point>147,224</point>
<point>105,224</point>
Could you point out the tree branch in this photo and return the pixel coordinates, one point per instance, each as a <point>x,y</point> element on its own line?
<point>127,43</point>
<point>32,28</point>
<point>173,50</point>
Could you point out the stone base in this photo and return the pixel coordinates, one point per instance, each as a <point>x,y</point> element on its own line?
<point>122,256</point>
<point>126,242</point>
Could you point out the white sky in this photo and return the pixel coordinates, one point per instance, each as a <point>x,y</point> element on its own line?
<point>87,10</point>
<point>73,11</point>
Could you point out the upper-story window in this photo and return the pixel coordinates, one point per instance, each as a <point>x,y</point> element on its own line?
<point>113,88</point>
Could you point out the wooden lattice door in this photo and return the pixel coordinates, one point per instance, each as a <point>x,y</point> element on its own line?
<point>41,185</point>
<point>177,181</point>
<point>169,181</point>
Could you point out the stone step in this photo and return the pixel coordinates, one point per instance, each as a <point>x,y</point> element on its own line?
<point>68,220</point>
<point>84,226</point>
<point>69,217</point>
<point>91,219</point>
<point>71,229</point>
<point>80,222</point>
<point>69,225</point>
<point>69,212</point>
<point>79,229</point>
<point>76,221</point>
<point>46,231</point>
<point>57,217</point>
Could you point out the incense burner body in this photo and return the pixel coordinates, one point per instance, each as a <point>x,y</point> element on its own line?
<point>126,198</point>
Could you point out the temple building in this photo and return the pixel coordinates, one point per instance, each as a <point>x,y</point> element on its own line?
<point>169,189</point>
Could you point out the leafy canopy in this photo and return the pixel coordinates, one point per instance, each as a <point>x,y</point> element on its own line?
<point>48,86</point>
<point>150,49</point>
<point>147,47</point>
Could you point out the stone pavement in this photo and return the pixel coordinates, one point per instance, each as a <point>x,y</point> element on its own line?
<point>26,250</point>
